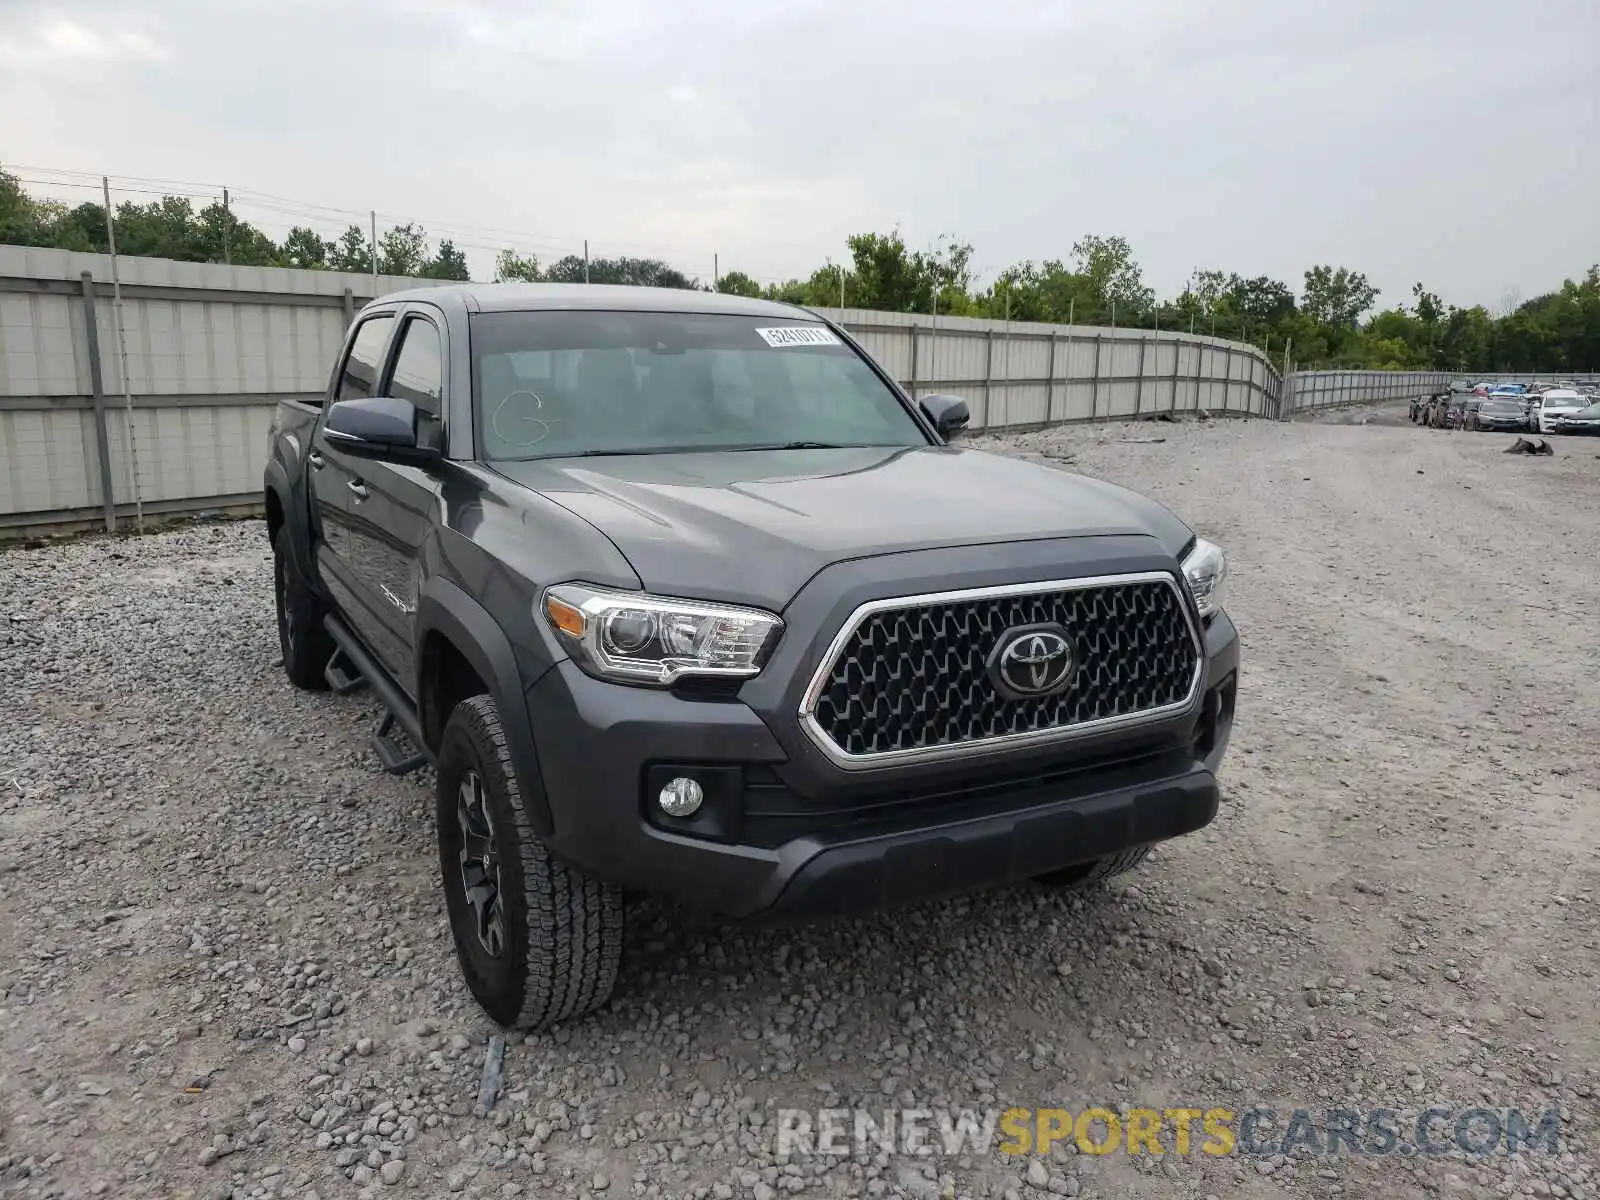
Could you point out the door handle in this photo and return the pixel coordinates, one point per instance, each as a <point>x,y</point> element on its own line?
<point>359,490</point>
<point>316,460</point>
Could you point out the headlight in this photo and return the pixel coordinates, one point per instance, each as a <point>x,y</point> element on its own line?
<point>1205,567</point>
<point>633,638</point>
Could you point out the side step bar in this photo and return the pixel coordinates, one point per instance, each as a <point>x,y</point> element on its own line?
<point>401,719</point>
<point>342,675</point>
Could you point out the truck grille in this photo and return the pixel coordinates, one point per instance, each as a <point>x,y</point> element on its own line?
<point>909,677</point>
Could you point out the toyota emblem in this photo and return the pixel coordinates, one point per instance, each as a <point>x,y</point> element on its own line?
<point>1033,661</point>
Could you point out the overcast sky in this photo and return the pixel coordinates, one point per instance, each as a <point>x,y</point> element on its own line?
<point>1451,141</point>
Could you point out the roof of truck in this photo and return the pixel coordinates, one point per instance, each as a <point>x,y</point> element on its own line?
<point>528,297</point>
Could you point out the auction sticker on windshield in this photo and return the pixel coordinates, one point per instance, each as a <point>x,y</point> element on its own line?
<point>799,335</point>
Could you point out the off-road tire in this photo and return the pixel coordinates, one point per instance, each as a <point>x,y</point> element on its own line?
<point>304,642</point>
<point>562,929</point>
<point>1084,876</point>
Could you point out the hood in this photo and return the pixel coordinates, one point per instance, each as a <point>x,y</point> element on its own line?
<point>753,527</point>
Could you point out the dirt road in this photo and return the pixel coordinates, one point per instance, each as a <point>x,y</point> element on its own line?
<point>224,965</point>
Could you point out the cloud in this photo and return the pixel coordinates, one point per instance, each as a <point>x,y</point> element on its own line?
<point>59,42</point>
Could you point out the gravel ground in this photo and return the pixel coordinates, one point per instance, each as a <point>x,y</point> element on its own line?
<point>224,965</point>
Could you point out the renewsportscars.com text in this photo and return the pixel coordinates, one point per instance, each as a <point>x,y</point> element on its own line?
<point>1217,1132</point>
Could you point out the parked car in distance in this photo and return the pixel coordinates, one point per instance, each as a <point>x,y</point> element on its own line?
<point>1585,420</point>
<point>1557,402</point>
<point>1499,412</point>
<point>1467,412</point>
<point>682,594</point>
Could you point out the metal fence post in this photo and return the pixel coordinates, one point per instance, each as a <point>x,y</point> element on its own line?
<point>1094,388</point>
<point>915,340</point>
<point>97,389</point>
<point>1050,382</point>
<point>349,308</point>
<point>988,378</point>
<point>1177,368</point>
<point>1199,362</point>
<point>1138,391</point>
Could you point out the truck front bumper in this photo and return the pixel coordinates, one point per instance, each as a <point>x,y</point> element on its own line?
<point>770,840</point>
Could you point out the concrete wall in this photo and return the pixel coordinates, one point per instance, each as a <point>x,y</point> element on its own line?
<point>212,348</point>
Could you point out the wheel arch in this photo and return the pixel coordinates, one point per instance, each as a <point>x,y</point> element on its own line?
<point>454,631</point>
<point>282,513</point>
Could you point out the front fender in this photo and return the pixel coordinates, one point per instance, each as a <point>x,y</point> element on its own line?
<point>444,608</point>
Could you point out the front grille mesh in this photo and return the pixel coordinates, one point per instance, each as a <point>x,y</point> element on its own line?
<point>914,678</point>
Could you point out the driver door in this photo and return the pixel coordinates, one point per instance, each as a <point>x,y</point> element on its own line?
<point>393,504</point>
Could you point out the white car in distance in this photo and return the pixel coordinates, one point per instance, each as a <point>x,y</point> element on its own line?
<point>1557,402</point>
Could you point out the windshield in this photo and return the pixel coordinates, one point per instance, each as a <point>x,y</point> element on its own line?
<point>554,384</point>
<point>1501,406</point>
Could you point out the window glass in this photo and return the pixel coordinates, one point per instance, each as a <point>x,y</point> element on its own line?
<point>360,374</point>
<point>556,383</point>
<point>418,372</point>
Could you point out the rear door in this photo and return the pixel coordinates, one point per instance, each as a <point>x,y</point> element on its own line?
<point>393,505</point>
<point>333,474</point>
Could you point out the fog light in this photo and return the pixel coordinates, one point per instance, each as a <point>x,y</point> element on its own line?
<point>681,797</point>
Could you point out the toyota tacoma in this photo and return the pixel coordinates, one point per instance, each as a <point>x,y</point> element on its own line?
<point>681,593</point>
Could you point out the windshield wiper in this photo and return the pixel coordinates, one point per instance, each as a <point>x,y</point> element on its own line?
<point>627,450</point>
<point>711,449</point>
<point>808,446</point>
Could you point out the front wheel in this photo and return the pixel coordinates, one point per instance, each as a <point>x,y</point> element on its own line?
<point>1083,876</point>
<point>538,941</point>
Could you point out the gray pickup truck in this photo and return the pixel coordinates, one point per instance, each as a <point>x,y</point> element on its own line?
<point>680,593</point>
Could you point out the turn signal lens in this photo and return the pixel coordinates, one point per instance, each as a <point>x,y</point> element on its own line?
<point>568,618</point>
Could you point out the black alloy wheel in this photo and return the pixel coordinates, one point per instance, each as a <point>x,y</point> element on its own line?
<point>479,856</point>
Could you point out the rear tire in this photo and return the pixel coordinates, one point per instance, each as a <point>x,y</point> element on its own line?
<point>1084,876</point>
<point>304,642</point>
<point>538,941</point>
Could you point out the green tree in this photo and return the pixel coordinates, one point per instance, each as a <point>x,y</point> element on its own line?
<point>305,248</point>
<point>637,272</point>
<point>448,263</point>
<point>890,278</point>
<point>1260,301</point>
<point>1336,299</point>
<point>82,227</point>
<point>887,278</point>
<point>402,250</point>
<point>352,252</point>
<point>737,283</point>
<point>511,266</point>
<point>1429,306</point>
<point>1113,277</point>
<point>19,215</point>
<point>791,292</point>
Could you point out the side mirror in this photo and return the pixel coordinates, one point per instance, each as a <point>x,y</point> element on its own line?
<point>380,427</point>
<point>948,413</point>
